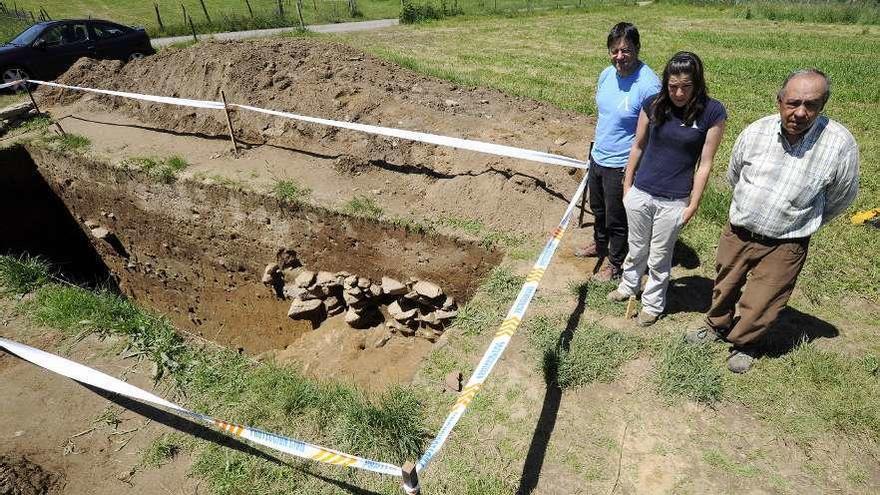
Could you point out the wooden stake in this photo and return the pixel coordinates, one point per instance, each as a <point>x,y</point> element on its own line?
<point>34,102</point>
<point>185,17</point>
<point>229,122</point>
<point>248,3</point>
<point>584,196</point>
<point>410,479</point>
<point>630,306</point>
<point>193,29</point>
<point>302,24</point>
<point>158,17</point>
<point>205,10</point>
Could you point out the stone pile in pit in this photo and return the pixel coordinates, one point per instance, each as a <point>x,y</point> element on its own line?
<point>415,307</point>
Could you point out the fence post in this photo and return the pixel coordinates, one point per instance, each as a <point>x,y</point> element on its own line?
<point>205,10</point>
<point>158,17</point>
<point>410,479</point>
<point>280,9</point>
<point>229,122</point>
<point>248,3</point>
<point>584,196</point>
<point>299,12</point>
<point>193,29</point>
<point>185,17</point>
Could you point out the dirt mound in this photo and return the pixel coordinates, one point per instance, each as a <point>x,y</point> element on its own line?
<point>334,81</point>
<point>20,476</point>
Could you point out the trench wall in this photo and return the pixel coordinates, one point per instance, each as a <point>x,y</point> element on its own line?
<point>196,252</point>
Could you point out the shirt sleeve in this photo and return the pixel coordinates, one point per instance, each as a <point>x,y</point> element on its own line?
<point>734,168</point>
<point>718,114</point>
<point>842,191</point>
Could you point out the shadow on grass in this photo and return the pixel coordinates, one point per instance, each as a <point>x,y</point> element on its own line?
<point>207,434</point>
<point>552,398</point>
<point>793,327</point>
<point>691,294</point>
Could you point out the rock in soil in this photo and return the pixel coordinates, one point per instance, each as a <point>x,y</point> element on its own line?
<point>392,287</point>
<point>300,309</point>
<point>305,279</point>
<point>427,289</point>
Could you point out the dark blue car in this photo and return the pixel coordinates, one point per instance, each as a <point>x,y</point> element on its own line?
<point>47,49</point>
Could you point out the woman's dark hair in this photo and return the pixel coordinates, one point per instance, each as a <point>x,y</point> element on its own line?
<point>626,31</point>
<point>682,63</point>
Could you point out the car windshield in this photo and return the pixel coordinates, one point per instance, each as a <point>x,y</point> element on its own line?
<point>27,36</point>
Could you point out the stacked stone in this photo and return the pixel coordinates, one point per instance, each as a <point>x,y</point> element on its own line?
<point>415,307</point>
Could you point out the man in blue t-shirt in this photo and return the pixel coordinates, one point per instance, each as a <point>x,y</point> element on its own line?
<point>622,88</point>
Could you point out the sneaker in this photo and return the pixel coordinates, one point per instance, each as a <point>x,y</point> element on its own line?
<point>591,251</point>
<point>703,335</point>
<point>740,361</point>
<point>617,296</point>
<point>608,273</point>
<point>647,319</point>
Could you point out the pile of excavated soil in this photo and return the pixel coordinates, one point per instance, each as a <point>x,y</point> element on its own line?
<point>20,476</point>
<point>334,81</point>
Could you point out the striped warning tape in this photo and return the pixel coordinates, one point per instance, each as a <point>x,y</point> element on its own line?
<point>90,376</point>
<point>505,331</point>
<point>467,144</point>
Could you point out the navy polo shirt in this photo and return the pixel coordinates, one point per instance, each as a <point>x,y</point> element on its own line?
<point>668,163</point>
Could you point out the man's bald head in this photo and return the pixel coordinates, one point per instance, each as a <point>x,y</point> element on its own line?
<point>811,77</point>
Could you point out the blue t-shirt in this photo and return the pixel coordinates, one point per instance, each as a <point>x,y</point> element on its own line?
<point>619,100</point>
<point>668,163</point>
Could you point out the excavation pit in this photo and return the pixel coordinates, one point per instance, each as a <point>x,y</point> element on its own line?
<point>197,252</point>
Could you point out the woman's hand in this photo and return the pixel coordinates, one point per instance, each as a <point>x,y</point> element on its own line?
<point>688,213</point>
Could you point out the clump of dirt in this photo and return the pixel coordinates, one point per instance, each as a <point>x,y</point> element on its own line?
<point>334,81</point>
<point>20,476</point>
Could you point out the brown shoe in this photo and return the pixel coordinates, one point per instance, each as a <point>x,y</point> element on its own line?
<point>607,274</point>
<point>647,319</point>
<point>591,251</point>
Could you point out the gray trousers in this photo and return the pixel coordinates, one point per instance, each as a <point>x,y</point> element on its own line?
<point>654,225</point>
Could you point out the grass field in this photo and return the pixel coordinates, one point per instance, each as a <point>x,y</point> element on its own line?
<point>556,57</point>
<point>234,15</point>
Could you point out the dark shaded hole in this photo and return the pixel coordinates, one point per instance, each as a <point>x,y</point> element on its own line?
<point>37,223</point>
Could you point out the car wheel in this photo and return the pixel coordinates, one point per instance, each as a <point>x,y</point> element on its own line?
<point>11,74</point>
<point>136,56</point>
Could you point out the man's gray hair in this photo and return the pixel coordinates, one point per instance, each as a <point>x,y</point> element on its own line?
<point>800,72</point>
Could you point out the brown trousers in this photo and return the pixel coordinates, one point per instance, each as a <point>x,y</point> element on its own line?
<point>768,268</point>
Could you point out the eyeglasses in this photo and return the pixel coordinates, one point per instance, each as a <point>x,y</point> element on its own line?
<point>621,51</point>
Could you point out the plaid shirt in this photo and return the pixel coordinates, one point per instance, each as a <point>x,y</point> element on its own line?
<point>788,191</point>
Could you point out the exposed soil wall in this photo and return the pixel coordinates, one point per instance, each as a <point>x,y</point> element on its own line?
<point>330,80</point>
<point>196,252</point>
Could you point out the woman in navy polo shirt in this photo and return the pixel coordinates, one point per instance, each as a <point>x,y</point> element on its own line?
<point>678,133</point>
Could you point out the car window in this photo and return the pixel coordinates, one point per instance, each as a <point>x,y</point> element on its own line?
<point>55,36</point>
<point>27,36</point>
<point>106,31</point>
<point>66,34</point>
<point>79,33</point>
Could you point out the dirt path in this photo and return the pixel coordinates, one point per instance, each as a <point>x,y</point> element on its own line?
<point>82,442</point>
<point>340,27</point>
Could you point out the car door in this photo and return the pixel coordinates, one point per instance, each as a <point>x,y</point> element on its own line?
<point>62,45</point>
<point>111,41</point>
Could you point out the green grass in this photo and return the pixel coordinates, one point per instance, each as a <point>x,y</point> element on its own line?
<point>291,191</point>
<point>684,371</point>
<point>164,170</point>
<point>718,460</point>
<point>810,392</point>
<point>22,274</point>
<point>161,450</point>
<point>517,245</point>
<point>561,64</point>
<point>593,354</point>
<point>363,206</point>
<point>596,296</point>
<point>68,143</point>
<point>855,12</point>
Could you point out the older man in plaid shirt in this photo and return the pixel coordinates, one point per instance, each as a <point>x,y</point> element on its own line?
<point>791,173</point>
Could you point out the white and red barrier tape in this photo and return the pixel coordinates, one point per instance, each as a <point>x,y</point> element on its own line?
<point>298,448</point>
